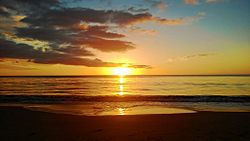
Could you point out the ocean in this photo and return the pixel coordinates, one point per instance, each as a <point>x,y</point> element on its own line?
<point>114,95</point>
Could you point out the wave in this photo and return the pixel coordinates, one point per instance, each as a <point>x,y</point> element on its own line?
<point>35,99</point>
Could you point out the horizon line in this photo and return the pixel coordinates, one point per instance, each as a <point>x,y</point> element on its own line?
<point>125,75</point>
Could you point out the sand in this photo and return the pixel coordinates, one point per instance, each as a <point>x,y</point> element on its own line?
<point>19,124</point>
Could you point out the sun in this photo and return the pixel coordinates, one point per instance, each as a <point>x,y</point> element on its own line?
<point>122,71</point>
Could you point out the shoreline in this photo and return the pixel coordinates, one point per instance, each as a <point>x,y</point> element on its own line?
<point>18,123</point>
<point>129,108</point>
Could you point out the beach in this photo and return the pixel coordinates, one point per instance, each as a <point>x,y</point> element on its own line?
<point>21,124</point>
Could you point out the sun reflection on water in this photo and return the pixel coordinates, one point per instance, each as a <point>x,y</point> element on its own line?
<point>121,90</point>
<point>121,80</point>
<point>121,87</point>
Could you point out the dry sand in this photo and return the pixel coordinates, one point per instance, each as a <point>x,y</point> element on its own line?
<point>19,124</point>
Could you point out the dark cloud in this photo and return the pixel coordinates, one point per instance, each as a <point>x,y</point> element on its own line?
<point>44,34</point>
<point>3,11</point>
<point>71,25</point>
<point>69,32</point>
<point>101,31</point>
<point>69,60</point>
<point>106,45</point>
<point>28,6</point>
<point>9,49</point>
<point>139,10</point>
<point>67,17</point>
<point>93,37</point>
<point>74,50</point>
<point>12,50</point>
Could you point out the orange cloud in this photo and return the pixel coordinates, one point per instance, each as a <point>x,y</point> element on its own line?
<point>195,2</point>
<point>180,21</point>
<point>192,2</point>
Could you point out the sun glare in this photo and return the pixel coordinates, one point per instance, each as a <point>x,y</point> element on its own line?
<point>122,71</point>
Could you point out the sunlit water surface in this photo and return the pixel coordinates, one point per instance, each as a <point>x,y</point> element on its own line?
<point>102,95</point>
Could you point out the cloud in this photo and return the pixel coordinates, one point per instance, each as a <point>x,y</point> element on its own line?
<point>192,2</point>
<point>67,31</point>
<point>196,2</point>
<point>159,4</point>
<point>140,66</point>
<point>197,55</point>
<point>9,23</point>
<point>108,45</point>
<point>138,30</point>
<point>74,16</point>
<point>94,37</point>
<point>11,50</point>
<point>188,57</point>
<point>139,10</point>
<point>102,31</point>
<point>3,11</point>
<point>180,21</point>
<point>51,32</point>
<point>28,6</point>
<point>66,18</point>
<point>15,67</point>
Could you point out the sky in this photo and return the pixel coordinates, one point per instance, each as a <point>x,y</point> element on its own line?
<point>152,37</point>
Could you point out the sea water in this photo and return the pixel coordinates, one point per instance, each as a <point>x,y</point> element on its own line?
<point>127,95</point>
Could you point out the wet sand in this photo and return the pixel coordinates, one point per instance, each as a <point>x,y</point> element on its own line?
<point>19,124</point>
